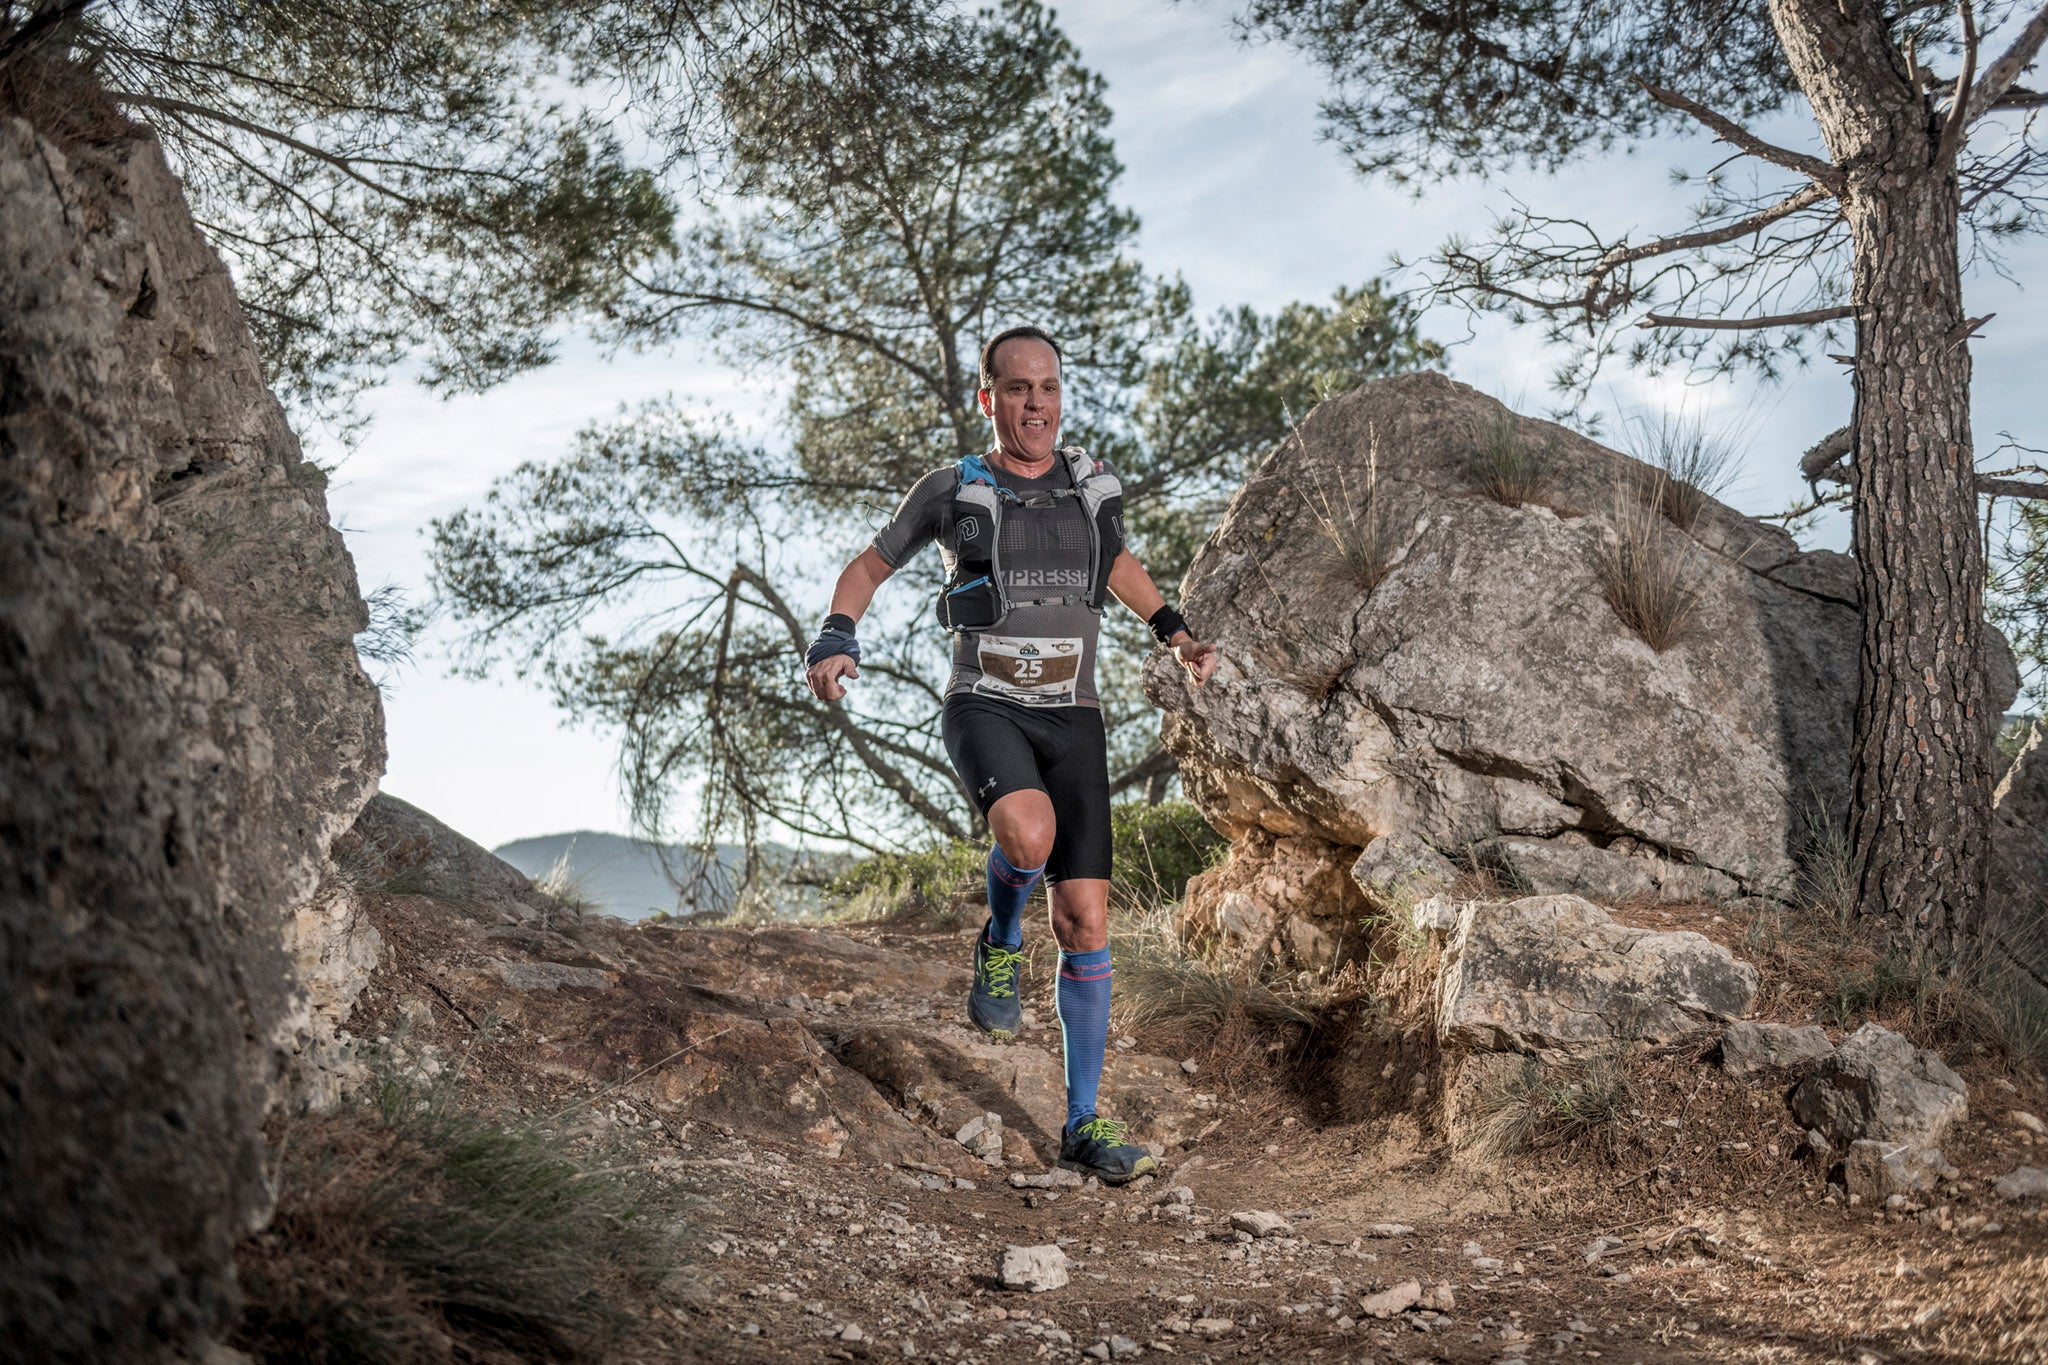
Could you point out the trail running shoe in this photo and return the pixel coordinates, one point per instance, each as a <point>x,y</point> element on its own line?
<point>992,1003</point>
<point>1096,1146</point>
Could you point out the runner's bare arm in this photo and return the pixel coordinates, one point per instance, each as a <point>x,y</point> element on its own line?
<point>858,581</point>
<point>1133,587</point>
<point>850,597</point>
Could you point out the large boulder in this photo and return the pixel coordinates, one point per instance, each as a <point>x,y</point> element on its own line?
<point>186,730</point>
<point>1556,975</point>
<point>1484,692</point>
<point>1878,1087</point>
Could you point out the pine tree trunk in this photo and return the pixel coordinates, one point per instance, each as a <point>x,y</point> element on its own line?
<point>1921,776</point>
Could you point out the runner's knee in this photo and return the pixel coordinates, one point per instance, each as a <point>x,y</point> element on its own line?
<point>1080,915</point>
<point>1023,825</point>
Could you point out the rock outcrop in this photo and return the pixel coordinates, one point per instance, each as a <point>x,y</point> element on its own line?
<point>187,729</point>
<point>1555,975</point>
<point>1484,694</point>
<point>1289,901</point>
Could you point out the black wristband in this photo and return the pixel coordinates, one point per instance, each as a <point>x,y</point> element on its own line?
<point>838,621</point>
<point>1167,623</point>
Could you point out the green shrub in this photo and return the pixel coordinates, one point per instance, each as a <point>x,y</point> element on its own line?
<point>921,883</point>
<point>1157,848</point>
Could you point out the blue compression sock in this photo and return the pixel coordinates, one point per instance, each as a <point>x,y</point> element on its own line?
<point>1084,1026</point>
<point>1008,888</point>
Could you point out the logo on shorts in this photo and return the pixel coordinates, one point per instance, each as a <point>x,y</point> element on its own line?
<point>985,787</point>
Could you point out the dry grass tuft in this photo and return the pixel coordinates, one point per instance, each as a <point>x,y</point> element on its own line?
<point>1177,999</point>
<point>1509,472</point>
<point>1540,1105</point>
<point>1357,548</point>
<point>1648,573</point>
<point>564,887</point>
<point>1698,464</point>
<point>409,1229</point>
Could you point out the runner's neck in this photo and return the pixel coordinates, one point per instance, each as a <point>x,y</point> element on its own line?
<point>1021,467</point>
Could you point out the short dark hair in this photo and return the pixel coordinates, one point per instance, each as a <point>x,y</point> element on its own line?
<point>1026,332</point>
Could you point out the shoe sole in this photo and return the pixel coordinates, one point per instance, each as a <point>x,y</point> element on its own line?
<point>1149,1165</point>
<point>1001,1035</point>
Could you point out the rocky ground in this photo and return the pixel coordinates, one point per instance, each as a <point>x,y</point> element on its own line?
<point>804,1089</point>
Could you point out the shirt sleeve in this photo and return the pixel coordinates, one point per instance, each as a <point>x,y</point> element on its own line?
<point>917,518</point>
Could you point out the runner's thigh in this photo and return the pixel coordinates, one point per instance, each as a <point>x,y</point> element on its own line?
<point>990,750</point>
<point>1079,787</point>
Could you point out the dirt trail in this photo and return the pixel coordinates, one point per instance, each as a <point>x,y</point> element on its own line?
<point>802,1085</point>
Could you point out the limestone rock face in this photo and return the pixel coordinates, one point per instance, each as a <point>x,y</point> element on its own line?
<point>1485,688</point>
<point>187,729</point>
<point>1556,975</point>
<point>1878,1086</point>
<point>1288,900</point>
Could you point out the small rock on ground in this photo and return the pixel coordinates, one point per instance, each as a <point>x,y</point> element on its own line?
<point>1260,1223</point>
<point>1392,1302</point>
<point>2028,1182</point>
<point>1034,1269</point>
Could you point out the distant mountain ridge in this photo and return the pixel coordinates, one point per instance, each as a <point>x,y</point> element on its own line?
<point>627,877</point>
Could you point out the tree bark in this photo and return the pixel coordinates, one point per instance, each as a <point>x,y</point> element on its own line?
<point>1920,782</point>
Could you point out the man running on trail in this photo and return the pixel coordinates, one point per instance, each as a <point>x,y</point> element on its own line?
<point>1032,538</point>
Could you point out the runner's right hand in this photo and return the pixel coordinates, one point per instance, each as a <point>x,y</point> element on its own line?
<point>824,677</point>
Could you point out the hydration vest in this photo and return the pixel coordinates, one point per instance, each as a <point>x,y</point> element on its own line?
<point>974,598</point>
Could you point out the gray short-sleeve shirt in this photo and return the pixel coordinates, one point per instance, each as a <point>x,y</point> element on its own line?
<point>1043,654</point>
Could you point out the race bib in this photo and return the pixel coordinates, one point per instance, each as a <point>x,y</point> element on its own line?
<point>1041,671</point>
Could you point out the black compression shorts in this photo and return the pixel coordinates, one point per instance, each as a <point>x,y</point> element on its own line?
<point>999,747</point>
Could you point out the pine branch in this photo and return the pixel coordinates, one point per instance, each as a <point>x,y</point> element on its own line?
<point>1822,173</point>
<point>1959,103</point>
<point>1805,319</point>
<point>2000,75</point>
<point>1806,197</point>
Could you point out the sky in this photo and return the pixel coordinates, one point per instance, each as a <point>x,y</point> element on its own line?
<point>1238,193</point>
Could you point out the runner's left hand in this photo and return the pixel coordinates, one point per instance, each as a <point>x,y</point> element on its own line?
<point>1199,658</point>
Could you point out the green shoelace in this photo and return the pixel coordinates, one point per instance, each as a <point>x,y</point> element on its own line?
<point>1109,1132</point>
<point>999,970</point>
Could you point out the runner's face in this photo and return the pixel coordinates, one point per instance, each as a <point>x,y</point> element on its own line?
<point>1024,405</point>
